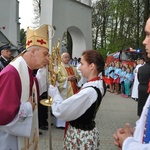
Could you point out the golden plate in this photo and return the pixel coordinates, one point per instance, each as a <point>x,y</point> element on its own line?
<point>46,102</point>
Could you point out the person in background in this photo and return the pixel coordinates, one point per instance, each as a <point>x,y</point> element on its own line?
<point>128,79</point>
<point>75,62</point>
<point>117,77</point>
<point>142,61</point>
<point>134,65</point>
<point>143,78</point>
<point>67,79</point>
<point>137,138</point>
<point>81,108</point>
<point>5,57</point>
<point>127,65</point>
<point>111,70</point>
<point>71,61</point>
<point>134,93</point>
<point>18,107</point>
<point>42,110</point>
<point>122,74</point>
<point>105,76</point>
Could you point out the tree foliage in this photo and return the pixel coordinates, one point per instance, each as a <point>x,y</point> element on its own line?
<point>37,12</point>
<point>23,37</point>
<point>117,25</point>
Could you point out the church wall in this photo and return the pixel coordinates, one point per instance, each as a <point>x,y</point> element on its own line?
<point>73,15</point>
<point>47,15</point>
<point>9,15</point>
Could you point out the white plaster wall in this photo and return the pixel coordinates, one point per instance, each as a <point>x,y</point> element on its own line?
<point>46,16</point>
<point>78,40</point>
<point>8,18</point>
<point>87,2</point>
<point>4,16</point>
<point>71,15</point>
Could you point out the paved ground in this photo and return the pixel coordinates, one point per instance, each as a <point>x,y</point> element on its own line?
<point>113,113</point>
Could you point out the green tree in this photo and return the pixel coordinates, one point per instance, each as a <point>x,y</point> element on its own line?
<point>118,24</point>
<point>23,37</point>
<point>37,12</point>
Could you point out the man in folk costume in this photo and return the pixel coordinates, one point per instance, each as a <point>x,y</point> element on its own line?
<point>19,114</point>
<point>137,138</point>
<point>68,78</point>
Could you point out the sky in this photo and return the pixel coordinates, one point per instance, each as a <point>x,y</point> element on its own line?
<point>25,13</point>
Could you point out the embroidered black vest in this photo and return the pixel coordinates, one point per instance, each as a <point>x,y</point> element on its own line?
<point>86,121</point>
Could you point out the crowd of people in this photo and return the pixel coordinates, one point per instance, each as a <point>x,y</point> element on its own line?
<point>121,77</point>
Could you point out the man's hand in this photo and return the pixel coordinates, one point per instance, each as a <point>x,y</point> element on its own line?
<point>116,136</point>
<point>122,134</point>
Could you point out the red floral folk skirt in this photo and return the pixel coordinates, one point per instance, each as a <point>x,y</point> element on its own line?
<point>77,139</point>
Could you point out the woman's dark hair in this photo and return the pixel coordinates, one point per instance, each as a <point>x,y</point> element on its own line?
<point>93,56</point>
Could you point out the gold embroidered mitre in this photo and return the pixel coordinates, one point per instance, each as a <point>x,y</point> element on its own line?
<point>37,37</point>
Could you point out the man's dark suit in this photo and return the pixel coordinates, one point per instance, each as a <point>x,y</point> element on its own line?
<point>3,63</point>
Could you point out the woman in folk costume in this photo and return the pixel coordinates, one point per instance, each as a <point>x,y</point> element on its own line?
<point>18,109</point>
<point>81,108</point>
